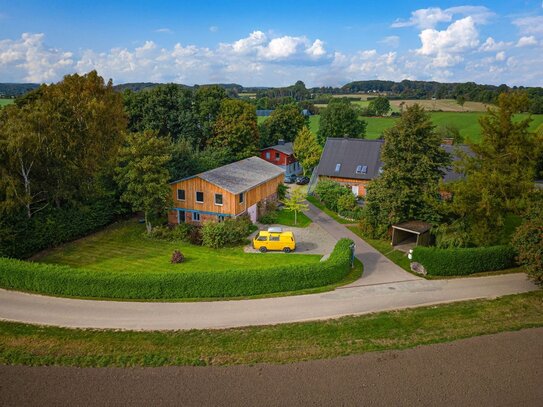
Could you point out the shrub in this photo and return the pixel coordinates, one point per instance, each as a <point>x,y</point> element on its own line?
<point>177,257</point>
<point>171,233</point>
<point>227,233</point>
<point>269,218</point>
<point>528,241</point>
<point>195,235</point>
<point>457,262</point>
<point>281,191</point>
<point>329,192</point>
<point>62,280</point>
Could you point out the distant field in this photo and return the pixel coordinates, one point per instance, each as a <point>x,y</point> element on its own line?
<point>4,102</point>
<point>467,123</point>
<point>446,105</point>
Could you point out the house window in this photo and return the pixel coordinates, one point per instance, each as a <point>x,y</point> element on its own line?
<point>180,194</point>
<point>241,198</point>
<point>277,156</point>
<point>199,197</point>
<point>362,169</point>
<point>268,156</point>
<point>218,199</point>
<point>195,216</point>
<point>338,167</point>
<point>221,218</point>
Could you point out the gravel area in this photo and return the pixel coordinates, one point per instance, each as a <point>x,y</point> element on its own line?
<point>310,240</point>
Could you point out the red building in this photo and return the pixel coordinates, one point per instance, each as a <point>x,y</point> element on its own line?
<point>282,155</point>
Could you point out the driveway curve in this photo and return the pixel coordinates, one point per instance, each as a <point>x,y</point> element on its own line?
<point>384,286</point>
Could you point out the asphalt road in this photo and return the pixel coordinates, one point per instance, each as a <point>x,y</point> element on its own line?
<point>496,370</point>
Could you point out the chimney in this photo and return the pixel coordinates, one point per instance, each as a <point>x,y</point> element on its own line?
<point>281,142</point>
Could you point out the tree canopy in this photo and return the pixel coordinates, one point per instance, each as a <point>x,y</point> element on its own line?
<point>340,119</point>
<point>380,105</point>
<point>306,149</point>
<point>284,123</point>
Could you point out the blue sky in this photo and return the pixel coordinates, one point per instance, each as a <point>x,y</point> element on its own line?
<point>273,43</point>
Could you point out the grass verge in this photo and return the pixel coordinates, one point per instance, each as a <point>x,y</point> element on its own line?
<point>24,344</point>
<point>320,205</point>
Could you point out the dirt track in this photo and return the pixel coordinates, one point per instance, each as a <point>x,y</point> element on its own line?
<point>498,370</point>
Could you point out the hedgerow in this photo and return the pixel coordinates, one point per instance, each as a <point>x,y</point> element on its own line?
<point>463,261</point>
<point>62,280</point>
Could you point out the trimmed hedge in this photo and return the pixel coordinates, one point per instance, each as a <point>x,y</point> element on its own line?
<point>61,280</point>
<point>21,237</point>
<point>458,262</point>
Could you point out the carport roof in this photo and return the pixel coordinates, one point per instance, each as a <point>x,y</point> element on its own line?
<point>413,226</point>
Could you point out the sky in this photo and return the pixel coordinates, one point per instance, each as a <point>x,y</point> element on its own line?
<point>273,43</point>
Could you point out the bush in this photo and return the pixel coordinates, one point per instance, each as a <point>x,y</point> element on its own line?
<point>281,191</point>
<point>458,262</point>
<point>269,218</point>
<point>21,237</point>
<point>61,280</point>
<point>528,240</point>
<point>171,233</point>
<point>329,192</point>
<point>227,233</point>
<point>177,257</point>
<point>195,235</point>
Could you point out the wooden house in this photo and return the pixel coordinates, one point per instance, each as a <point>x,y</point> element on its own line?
<point>228,191</point>
<point>282,155</point>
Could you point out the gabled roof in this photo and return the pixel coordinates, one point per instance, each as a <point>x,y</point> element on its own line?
<point>240,176</point>
<point>286,148</point>
<point>350,153</point>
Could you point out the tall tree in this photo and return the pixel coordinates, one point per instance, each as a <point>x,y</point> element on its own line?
<point>340,119</point>
<point>501,171</point>
<point>307,150</point>
<point>380,105</point>
<point>295,203</point>
<point>167,109</point>
<point>236,128</point>
<point>284,123</point>
<point>207,104</point>
<point>143,173</point>
<point>413,164</point>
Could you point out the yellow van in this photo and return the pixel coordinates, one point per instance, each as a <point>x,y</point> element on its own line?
<point>274,239</point>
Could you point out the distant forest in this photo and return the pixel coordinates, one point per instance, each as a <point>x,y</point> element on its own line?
<point>298,92</point>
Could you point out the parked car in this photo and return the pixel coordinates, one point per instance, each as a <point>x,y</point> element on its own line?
<point>302,180</point>
<point>290,179</point>
<point>274,239</point>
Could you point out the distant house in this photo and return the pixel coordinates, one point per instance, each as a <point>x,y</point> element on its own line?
<point>228,191</point>
<point>282,155</point>
<point>355,162</point>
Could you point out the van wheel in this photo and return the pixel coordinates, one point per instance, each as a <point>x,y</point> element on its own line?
<point>263,249</point>
<point>286,249</point>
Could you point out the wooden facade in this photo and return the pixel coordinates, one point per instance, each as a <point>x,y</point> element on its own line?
<point>276,157</point>
<point>191,211</point>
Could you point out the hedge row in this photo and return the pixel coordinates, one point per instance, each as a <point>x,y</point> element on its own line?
<point>21,237</point>
<point>457,262</point>
<point>61,280</point>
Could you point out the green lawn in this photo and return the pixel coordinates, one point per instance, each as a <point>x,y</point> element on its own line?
<point>22,344</point>
<point>467,123</point>
<point>4,102</point>
<point>315,201</point>
<point>286,217</point>
<point>123,248</point>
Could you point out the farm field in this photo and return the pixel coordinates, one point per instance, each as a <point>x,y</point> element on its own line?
<point>123,248</point>
<point>4,102</point>
<point>467,123</point>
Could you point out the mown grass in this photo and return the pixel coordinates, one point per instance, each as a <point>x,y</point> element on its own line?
<point>22,344</point>
<point>315,201</point>
<point>286,217</point>
<point>124,248</point>
<point>5,102</point>
<point>466,122</point>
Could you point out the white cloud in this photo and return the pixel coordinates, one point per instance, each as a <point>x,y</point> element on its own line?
<point>490,45</point>
<point>316,49</point>
<point>29,59</point>
<point>249,44</point>
<point>164,30</point>
<point>429,17</point>
<point>446,47</point>
<point>500,56</point>
<point>391,41</point>
<point>282,47</point>
<point>530,25</point>
<point>213,28</point>
<point>527,41</point>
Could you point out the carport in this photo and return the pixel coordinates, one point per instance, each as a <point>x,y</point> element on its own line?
<point>409,234</point>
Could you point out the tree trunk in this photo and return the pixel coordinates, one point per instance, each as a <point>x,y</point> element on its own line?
<point>147,223</point>
<point>295,217</point>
